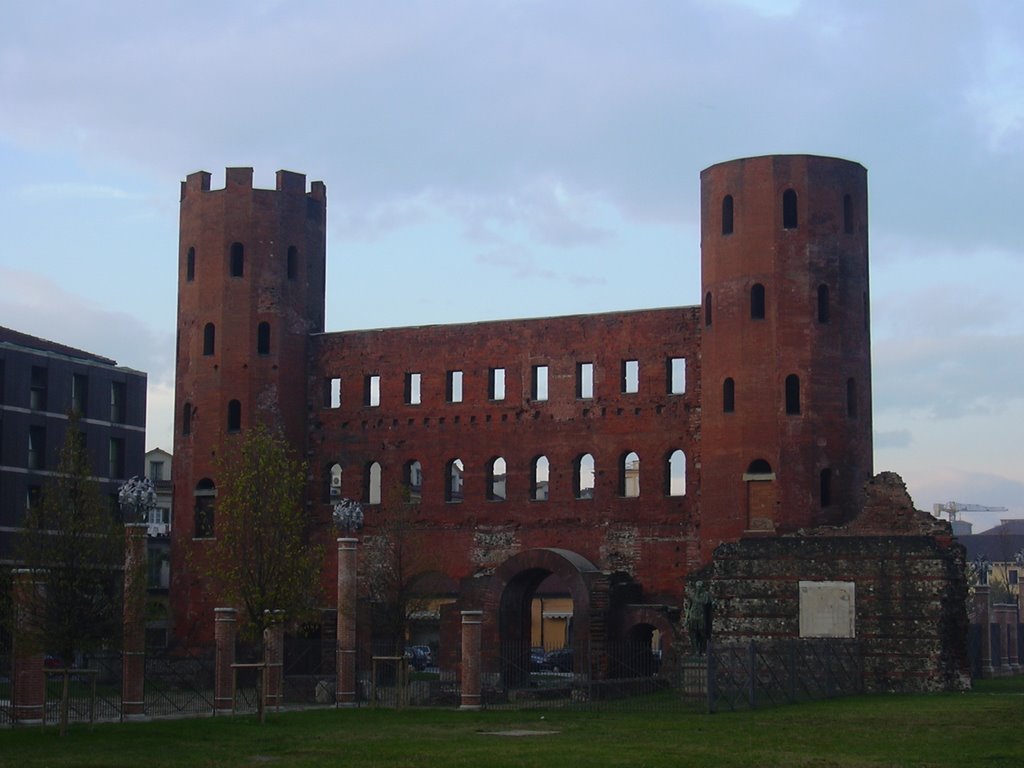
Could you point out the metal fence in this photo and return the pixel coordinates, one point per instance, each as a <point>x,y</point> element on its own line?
<point>179,682</point>
<point>6,694</point>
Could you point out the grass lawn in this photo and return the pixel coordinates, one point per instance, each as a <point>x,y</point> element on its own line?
<point>982,728</point>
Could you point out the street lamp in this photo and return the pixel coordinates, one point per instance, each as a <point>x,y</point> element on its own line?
<point>348,515</point>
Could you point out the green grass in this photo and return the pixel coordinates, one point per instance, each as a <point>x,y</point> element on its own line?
<point>981,728</point>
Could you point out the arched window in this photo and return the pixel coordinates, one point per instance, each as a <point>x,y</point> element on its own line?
<point>293,262</point>
<point>847,214</point>
<point>675,474</point>
<point>263,339</point>
<point>728,396</point>
<point>234,416</point>
<point>371,493</point>
<point>825,487</point>
<point>760,468</point>
<point>453,485</point>
<point>209,339</point>
<point>793,394</point>
<point>205,494</point>
<point>496,479</point>
<point>851,398</point>
<point>757,302</point>
<point>237,259</point>
<point>789,218</point>
<point>334,475</point>
<point>727,215</point>
<point>823,308</point>
<point>629,475</point>
<point>190,265</point>
<point>413,478</point>
<point>584,476</point>
<point>539,474</point>
<point>707,309</point>
<point>186,419</point>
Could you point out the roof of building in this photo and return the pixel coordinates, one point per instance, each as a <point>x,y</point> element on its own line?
<point>10,336</point>
<point>997,548</point>
<point>1011,527</point>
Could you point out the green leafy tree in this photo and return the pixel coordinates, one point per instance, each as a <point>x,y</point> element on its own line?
<point>263,559</point>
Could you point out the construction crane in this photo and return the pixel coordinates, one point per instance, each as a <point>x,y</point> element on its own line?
<point>954,508</point>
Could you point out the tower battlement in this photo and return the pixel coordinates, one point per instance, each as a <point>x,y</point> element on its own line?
<point>240,179</point>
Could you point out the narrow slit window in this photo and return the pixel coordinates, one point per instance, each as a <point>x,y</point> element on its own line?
<point>209,339</point>
<point>412,388</point>
<point>237,260</point>
<point>707,309</point>
<point>263,339</point>
<point>757,302</point>
<point>728,396</point>
<point>789,209</point>
<point>372,396</point>
<point>676,375</point>
<point>292,266</point>
<point>203,512</point>
<point>540,382</point>
<point>825,483</point>
<point>585,381</point>
<point>630,376</point>
<point>453,387</point>
<point>496,388</point>
<point>823,304</point>
<point>332,392</point>
<point>727,206</point>
<point>190,265</point>
<point>234,416</point>
<point>793,394</point>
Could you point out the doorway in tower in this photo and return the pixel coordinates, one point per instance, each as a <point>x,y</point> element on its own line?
<point>759,483</point>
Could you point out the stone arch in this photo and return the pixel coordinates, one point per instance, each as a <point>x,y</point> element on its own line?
<point>639,622</point>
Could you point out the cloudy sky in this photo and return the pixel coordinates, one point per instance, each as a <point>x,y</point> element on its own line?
<point>512,158</point>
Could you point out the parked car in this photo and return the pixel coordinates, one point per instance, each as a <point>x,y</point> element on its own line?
<point>559,660</point>
<point>538,659</point>
<point>420,657</point>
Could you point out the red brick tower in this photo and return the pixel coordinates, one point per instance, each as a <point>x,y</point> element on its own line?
<point>251,282</point>
<point>786,395</point>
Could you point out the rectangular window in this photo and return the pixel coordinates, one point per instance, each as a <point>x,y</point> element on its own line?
<point>332,392</point>
<point>585,381</point>
<point>37,392</point>
<point>117,402</point>
<point>412,388</point>
<point>630,376</point>
<point>156,471</point>
<point>677,375</point>
<point>33,495</point>
<point>496,388</point>
<point>540,382</point>
<point>116,457</point>
<point>80,394</point>
<point>1014,576</point>
<point>453,387</point>
<point>36,447</point>
<point>373,390</point>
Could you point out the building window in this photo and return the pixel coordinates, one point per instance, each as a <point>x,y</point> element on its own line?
<point>209,339</point>
<point>851,398</point>
<point>584,476</point>
<point>237,260</point>
<point>80,394</point>
<point>728,396</point>
<point>190,265</point>
<point>156,471</point>
<point>757,302</point>
<point>727,215</point>
<point>186,419</point>
<point>707,309</point>
<point>413,395</point>
<point>293,262</point>
<point>37,390</point>
<point>413,472</point>
<point>585,381</point>
<point>234,416</point>
<point>496,384</point>
<point>825,487</point>
<point>453,486</point>
<point>630,377</point>
<point>33,497</point>
<point>334,475</point>
<point>539,483</point>
<point>117,402</point>
<point>371,397</point>
<point>373,483</point>
<point>540,383</point>
<point>263,339</point>
<point>496,479</point>
<point>676,371</point>
<point>332,392</point>
<point>847,214</point>
<point>789,217</point>
<point>675,474</point>
<point>205,495</point>
<point>453,387</point>
<point>823,307</point>
<point>629,475</point>
<point>116,455</point>
<point>1013,576</point>
<point>36,447</point>
<point>793,394</point>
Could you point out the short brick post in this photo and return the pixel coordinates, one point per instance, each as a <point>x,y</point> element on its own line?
<point>133,654</point>
<point>470,688</point>
<point>29,677</point>
<point>273,657</point>
<point>224,630</point>
<point>345,662</point>
<point>1013,622</point>
<point>983,615</point>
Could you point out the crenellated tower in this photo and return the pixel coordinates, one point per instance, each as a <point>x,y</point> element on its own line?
<point>786,367</point>
<point>251,282</point>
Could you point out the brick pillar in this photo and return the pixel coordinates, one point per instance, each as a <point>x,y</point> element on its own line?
<point>133,654</point>
<point>345,658</point>
<point>29,678</point>
<point>1006,619</point>
<point>982,616</point>
<point>470,688</point>
<point>273,657</point>
<point>224,630</point>
<point>1012,621</point>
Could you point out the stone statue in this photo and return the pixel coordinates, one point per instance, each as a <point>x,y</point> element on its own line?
<point>698,617</point>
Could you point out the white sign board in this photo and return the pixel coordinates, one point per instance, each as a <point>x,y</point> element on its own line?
<point>827,609</point>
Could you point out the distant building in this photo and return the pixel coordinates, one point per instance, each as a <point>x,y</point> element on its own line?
<point>999,545</point>
<point>41,383</point>
<point>158,469</point>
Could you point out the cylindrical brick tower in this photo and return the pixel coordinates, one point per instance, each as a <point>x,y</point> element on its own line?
<point>786,366</point>
<point>251,282</point>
